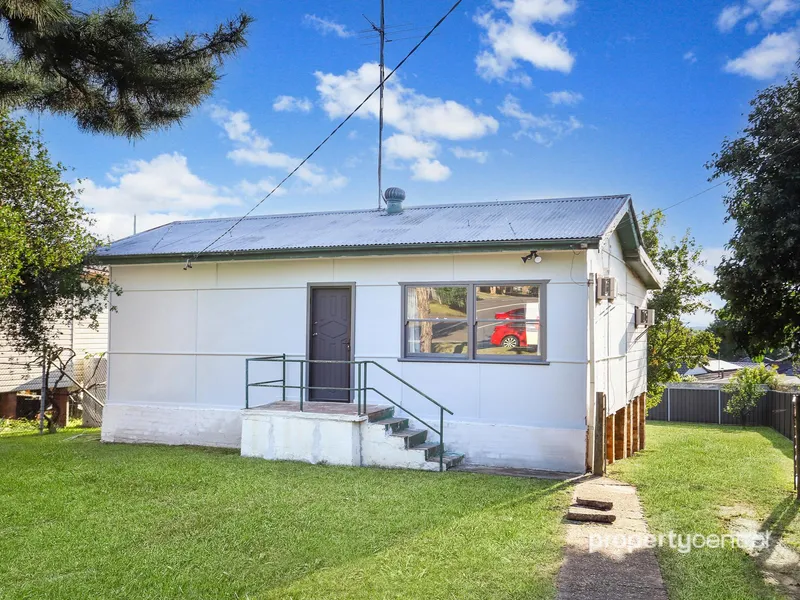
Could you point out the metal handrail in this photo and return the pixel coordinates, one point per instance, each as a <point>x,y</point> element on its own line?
<point>361,388</point>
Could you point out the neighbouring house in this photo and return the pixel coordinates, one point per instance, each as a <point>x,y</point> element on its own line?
<point>353,327</point>
<point>83,362</point>
<point>713,370</point>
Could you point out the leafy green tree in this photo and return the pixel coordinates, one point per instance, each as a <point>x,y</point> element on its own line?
<point>106,68</point>
<point>670,343</point>
<point>747,387</point>
<point>729,349</point>
<point>760,279</point>
<point>44,269</point>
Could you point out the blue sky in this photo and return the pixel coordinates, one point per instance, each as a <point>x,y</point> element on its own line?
<point>510,99</point>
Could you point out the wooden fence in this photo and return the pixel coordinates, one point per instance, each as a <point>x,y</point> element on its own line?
<point>707,405</point>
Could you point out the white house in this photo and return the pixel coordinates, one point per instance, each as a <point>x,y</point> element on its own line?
<point>490,310</point>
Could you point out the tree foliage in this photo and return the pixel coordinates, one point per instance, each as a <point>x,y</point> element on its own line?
<point>44,268</point>
<point>760,279</point>
<point>670,343</point>
<point>106,68</point>
<point>747,388</point>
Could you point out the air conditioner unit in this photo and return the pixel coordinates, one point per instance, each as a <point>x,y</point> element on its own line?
<point>645,317</point>
<point>606,288</point>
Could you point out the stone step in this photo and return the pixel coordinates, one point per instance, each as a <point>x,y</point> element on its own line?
<point>450,459</point>
<point>579,513</point>
<point>594,503</point>
<point>393,423</point>
<point>379,415</point>
<point>412,437</point>
<point>431,449</point>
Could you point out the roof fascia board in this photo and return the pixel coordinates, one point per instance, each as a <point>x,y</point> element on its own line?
<point>577,244</point>
<point>641,264</point>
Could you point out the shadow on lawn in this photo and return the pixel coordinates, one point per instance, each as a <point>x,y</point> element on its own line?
<point>781,516</point>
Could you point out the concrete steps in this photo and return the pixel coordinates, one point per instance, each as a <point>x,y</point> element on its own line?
<point>591,510</point>
<point>396,444</point>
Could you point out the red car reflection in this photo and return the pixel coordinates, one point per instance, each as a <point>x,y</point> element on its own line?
<point>511,335</point>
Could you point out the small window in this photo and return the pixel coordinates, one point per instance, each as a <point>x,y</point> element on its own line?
<point>475,321</point>
<point>436,321</point>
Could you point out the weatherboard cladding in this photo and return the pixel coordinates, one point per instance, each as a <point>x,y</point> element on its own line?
<point>461,224</point>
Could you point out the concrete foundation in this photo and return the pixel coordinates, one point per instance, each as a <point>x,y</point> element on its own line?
<point>174,425</point>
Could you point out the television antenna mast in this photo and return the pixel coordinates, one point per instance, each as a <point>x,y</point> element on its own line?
<point>381,31</point>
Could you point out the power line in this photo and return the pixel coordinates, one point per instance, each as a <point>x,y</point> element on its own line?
<point>724,181</point>
<point>331,134</point>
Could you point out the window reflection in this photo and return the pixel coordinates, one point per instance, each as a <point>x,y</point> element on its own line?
<point>507,320</point>
<point>436,302</point>
<point>426,337</point>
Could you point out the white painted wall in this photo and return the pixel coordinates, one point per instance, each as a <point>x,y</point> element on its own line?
<point>179,340</point>
<point>620,347</point>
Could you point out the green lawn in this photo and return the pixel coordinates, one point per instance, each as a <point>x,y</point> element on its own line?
<point>81,519</point>
<point>686,474</point>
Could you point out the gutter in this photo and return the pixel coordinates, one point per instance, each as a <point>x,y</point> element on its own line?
<point>349,251</point>
<point>591,405</point>
<point>640,264</point>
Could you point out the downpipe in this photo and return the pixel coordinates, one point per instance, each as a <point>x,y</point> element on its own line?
<point>591,400</point>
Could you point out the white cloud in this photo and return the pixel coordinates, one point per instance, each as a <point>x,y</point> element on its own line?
<point>405,109</point>
<point>544,129</point>
<point>510,37</point>
<point>258,189</point>
<point>326,26</point>
<point>690,57</point>
<point>256,150</point>
<point>765,13</point>
<point>731,15</point>
<point>419,120</point>
<point>776,54</point>
<point>479,156</point>
<point>565,97</point>
<point>292,104</point>
<point>403,148</point>
<point>158,191</point>
<point>429,170</point>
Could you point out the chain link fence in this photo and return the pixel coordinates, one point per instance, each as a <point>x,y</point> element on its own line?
<point>77,389</point>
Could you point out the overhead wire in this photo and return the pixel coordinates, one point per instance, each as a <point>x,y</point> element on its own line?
<point>330,135</point>
<point>724,181</point>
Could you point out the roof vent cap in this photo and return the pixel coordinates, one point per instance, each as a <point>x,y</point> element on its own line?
<point>394,197</point>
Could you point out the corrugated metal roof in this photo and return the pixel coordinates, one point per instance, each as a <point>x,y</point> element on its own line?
<point>454,224</point>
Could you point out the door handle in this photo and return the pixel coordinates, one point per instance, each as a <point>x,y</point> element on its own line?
<point>315,334</point>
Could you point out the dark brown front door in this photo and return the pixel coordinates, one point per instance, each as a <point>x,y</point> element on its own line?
<point>330,340</point>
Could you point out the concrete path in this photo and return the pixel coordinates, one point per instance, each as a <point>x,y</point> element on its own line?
<point>609,570</point>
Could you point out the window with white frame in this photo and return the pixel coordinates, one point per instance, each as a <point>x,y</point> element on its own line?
<point>474,321</point>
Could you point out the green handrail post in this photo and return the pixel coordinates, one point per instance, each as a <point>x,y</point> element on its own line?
<point>366,388</point>
<point>441,439</point>
<point>302,382</point>
<point>284,376</point>
<point>247,383</point>
<point>358,394</point>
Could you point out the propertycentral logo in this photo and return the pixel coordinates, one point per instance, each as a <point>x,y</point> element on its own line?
<point>682,542</point>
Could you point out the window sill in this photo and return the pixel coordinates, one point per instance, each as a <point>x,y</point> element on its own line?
<point>493,361</point>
